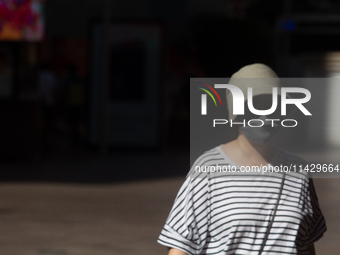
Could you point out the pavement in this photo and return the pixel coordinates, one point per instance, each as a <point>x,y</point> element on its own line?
<point>39,217</point>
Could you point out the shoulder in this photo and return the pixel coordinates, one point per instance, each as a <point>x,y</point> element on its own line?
<point>295,163</point>
<point>291,158</point>
<point>209,157</point>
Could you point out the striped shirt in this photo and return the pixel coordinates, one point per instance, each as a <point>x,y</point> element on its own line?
<point>229,214</point>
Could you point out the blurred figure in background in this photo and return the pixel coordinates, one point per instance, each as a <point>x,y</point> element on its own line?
<point>74,105</point>
<point>48,88</point>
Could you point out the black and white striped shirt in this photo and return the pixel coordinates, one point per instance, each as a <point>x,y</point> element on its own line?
<point>229,214</point>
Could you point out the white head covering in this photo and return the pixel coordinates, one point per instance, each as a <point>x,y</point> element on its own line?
<point>258,76</point>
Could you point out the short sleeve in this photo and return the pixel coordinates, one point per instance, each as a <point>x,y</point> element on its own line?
<point>315,221</point>
<point>187,224</point>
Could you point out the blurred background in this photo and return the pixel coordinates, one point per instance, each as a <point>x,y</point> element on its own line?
<point>94,95</point>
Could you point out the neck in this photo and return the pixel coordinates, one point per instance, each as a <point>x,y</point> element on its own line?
<point>259,154</point>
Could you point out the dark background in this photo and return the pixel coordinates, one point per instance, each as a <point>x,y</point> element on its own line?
<point>95,118</point>
<point>196,39</point>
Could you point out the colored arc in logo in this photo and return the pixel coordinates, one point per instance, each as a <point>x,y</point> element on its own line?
<point>210,93</point>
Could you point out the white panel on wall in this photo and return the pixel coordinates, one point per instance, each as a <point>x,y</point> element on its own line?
<point>332,113</point>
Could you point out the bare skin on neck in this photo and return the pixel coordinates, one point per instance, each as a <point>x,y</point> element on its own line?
<point>247,153</point>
